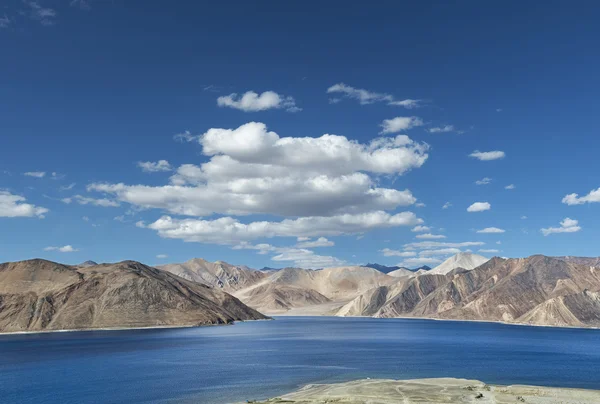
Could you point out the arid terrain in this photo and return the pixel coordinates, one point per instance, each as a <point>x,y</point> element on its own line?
<point>431,391</point>
<point>40,295</point>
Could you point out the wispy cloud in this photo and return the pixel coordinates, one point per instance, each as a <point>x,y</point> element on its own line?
<point>46,16</point>
<point>442,129</point>
<point>483,181</point>
<point>35,174</point>
<point>64,249</point>
<point>491,230</point>
<point>365,97</point>
<point>511,186</point>
<point>253,102</point>
<point>153,167</point>
<point>430,236</point>
<point>399,124</point>
<point>447,205</point>
<point>488,156</point>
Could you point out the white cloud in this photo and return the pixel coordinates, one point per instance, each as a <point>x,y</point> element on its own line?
<point>479,207</point>
<point>162,256</point>
<point>227,230</point>
<point>575,199</point>
<point>253,102</point>
<point>439,252</point>
<point>67,187</point>
<point>498,242</point>
<point>491,230</point>
<point>35,174</point>
<point>523,217</point>
<point>421,228</point>
<point>399,124</point>
<point>255,171</point>
<point>441,129</point>
<point>308,259</point>
<point>430,236</point>
<point>120,218</point>
<point>14,206</point>
<point>320,242</point>
<point>446,205</point>
<point>420,261</point>
<point>395,253</point>
<point>420,205</point>
<point>365,97</point>
<point>153,167</point>
<point>483,181</point>
<point>487,156</point>
<point>82,200</point>
<point>566,226</point>
<point>46,16</point>
<point>64,249</point>
<point>441,244</point>
<point>302,239</point>
<point>489,251</point>
<point>510,186</point>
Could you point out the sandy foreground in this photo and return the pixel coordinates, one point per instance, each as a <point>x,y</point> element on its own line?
<point>445,390</point>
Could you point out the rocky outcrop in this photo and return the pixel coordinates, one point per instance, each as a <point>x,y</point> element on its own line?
<point>40,295</point>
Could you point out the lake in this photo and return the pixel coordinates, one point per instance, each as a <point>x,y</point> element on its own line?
<point>267,358</point>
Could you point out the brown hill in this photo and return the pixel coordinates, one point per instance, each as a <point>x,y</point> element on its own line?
<point>39,295</point>
<point>535,290</point>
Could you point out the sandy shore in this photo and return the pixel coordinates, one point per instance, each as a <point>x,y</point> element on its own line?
<point>445,390</point>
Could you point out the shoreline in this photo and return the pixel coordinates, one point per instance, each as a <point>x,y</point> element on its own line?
<point>156,327</point>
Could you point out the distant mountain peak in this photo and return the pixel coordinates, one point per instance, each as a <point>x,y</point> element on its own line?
<point>88,263</point>
<point>465,260</point>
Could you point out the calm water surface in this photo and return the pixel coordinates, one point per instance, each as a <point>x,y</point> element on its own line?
<point>267,358</point>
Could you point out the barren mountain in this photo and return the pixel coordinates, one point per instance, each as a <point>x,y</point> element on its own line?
<point>40,295</point>
<point>292,288</point>
<point>219,274</point>
<point>535,290</point>
<point>461,260</point>
<point>400,272</point>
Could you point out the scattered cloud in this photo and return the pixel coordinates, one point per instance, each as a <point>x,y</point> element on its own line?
<point>575,199</point>
<point>120,218</point>
<point>439,252</point>
<point>162,256</point>
<point>64,249</point>
<point>440,244</point>
<point>420,261</point>
<point>67,187</point>
<point>252,170</point>
<point>430,236</point>
<point>153,167</point>
<point>421,228</point>
<point>399,124</point>
<point>35,174</point>
<point>487,156</point>
<point>523,217</point>
<point>304,258</point>
<point>228,230</point>
<point>253,102</point>
<point>85,218</point>
<point>498,242</point>
<point>510,186</point>
<point>14,206</point>
<point>489,251</point>
<point>46,16</point>
<point>185,136</point>
<point>566,226</point>
<point>82,200</point>
<point>395,253</point>
<point>479,207</point>
<point>365,97</point>
<point>488,230</point>
<point>441,129</point>
<point>420,205</point>
<point>446,205</point>
<point>483,181</point>
<point>320,242</point>
<point>5,21</point>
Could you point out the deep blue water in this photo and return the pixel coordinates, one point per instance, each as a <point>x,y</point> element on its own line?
<point>267,358</point>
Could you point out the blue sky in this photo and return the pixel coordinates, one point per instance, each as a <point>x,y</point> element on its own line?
<point>91,89</point>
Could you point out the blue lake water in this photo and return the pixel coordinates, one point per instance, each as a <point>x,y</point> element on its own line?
<point>267,358</point>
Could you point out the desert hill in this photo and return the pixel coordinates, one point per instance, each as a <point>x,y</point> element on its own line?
<point>40,295</point>
<point>461,260</point>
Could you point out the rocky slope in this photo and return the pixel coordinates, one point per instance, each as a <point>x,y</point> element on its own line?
<point>535,290</point>
<point>40,295</point>
<point>219,274</point>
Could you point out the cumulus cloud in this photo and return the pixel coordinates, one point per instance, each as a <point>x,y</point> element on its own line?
<point>421,228</point>
<point>320,242</point>
<point>253,102</point>
<point>228,230</point>
<point>395,253</point>
<point>252,170</point>
<point>491,230</point>
<point>14,206</point>
<point>441,129</point>
<point>510,186</point>
<point>153,167</point>
<point>575,199</point>
<point>566,226</point>
<point>399,124</point>
<point>430,236</point>
<point>483,181</point>
<point>365,97</point>
<point>35,174</point>
<point>64,249</point>
<point>487,156</point>
<point>304,258</point>
<point>479,207</point>
<point>446,205</point>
